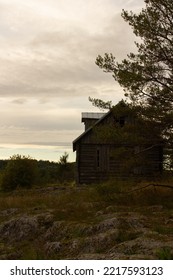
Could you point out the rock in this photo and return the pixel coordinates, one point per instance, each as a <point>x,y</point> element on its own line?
<point>10,256</point>
<point>155,208</point>
<point>142,245</point>
<point>57,231</point>
<point>9,211</point>
<point>169,221</point>
<point>19,228</point>
<point>99,213</point>
<point>99,242</point>
<point>107,224</point>
<point>45,219</point>
<point>52,247</point>
<point>75,244</point>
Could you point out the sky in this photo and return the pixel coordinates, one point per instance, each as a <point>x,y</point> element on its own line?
<point>48,50</point>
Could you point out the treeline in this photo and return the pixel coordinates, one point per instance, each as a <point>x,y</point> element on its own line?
<point>21,171</point>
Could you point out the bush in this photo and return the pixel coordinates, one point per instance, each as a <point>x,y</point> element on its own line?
<point>20,171</point>
<point>65,169</point>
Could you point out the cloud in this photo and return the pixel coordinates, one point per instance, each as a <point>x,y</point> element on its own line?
<point>47,70</point>
<point>19,101</point>
<point>57,65</point>
<point>55,60</point>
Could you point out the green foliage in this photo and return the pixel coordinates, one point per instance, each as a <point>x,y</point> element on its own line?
<point>48,172</point>
<point>63,159</point>
<point>147,75</point>
<point>21,171</point>
<point>100,103</point>
<point>65,169</point>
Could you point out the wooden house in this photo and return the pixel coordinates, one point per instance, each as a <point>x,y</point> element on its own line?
<point>102,153</point>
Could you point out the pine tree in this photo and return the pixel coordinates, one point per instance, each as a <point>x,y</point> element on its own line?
<point>147,76</point>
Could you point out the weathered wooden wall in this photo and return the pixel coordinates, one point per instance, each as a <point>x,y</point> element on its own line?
<point>97,163</point>
<point>100,156</point>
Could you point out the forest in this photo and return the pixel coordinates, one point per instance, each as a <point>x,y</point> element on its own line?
<point>23,171</point>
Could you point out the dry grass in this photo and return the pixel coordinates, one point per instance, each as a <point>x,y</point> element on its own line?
<point>88,198</point>
<point>82,204</point>
<point>70,204</point>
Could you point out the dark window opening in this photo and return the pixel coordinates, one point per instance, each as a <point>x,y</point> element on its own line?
<point>121,121</point>
<point>98,158</point>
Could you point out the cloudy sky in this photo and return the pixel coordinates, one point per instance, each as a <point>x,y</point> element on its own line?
<point>47,69</point>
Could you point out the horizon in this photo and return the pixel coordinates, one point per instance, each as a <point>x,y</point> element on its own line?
<point>38,151</point>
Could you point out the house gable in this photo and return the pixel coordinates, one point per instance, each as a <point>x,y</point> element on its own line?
<point>100,119</point>
<point>100,158</point>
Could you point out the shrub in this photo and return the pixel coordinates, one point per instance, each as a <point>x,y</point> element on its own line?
<point>21,171</point>
<point>65,169</point>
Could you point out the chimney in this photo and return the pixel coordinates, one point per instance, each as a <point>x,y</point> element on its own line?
<point>89,119</point>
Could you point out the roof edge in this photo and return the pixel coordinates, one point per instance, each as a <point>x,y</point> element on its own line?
<point>89,129</point>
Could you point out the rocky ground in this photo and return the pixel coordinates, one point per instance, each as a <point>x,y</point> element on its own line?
<point>113,232</point>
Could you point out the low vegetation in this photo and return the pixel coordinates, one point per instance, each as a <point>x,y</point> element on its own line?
<point>24,172</point>
<point>114,220</point>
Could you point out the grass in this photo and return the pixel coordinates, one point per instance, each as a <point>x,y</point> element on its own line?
<point>165,253</point>
<point>163,229</point>
<point>69,205</point>
<point>76,201</point>
<point>79,208</point>
<point>125,235</point>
